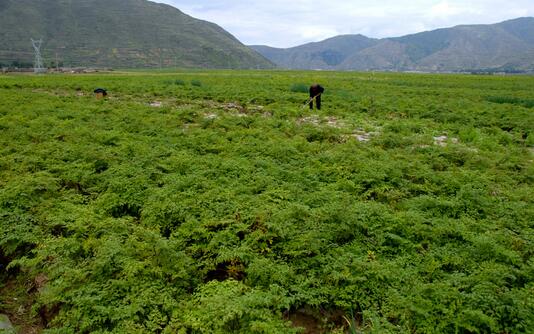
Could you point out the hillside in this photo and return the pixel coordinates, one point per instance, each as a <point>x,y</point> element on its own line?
<point>327,54</point>
<point>117,33</point>
<point>506,46</point>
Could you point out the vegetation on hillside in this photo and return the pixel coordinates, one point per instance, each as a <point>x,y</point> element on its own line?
<point>119,34</point>
<point>212,202</point>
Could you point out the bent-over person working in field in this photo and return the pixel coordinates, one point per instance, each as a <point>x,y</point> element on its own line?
<point>315,94</point>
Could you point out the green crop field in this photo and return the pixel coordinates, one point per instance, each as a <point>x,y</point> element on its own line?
<point>212,202</point>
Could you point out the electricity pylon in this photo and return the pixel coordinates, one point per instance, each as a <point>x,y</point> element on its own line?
<point>38,66</point>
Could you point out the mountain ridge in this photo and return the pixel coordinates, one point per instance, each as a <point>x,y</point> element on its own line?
<point>504,46</point>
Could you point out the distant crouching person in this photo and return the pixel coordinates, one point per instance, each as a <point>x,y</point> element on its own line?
<point>315,94</point>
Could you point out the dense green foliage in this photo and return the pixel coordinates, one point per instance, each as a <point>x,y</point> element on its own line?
<point>211,202</point>
<point>528,103</point>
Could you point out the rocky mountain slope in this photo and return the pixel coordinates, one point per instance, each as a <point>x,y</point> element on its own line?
<point>506,46</point>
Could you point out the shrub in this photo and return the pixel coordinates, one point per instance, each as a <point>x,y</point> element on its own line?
<point>299,88</point>
<point>527,103</point>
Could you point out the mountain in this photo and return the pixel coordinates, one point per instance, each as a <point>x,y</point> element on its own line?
<point>117,33</point>
<point>506,46</point>
<point>327,54</point>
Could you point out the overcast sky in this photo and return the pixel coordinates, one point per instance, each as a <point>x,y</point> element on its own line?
<point>286,23</point>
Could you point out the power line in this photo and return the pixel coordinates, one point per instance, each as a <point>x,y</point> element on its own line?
<point>16,52</point>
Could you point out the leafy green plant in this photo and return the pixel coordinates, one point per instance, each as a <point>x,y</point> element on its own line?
<point>299,88</point>
<point>405,204</point>
<point>527,103</point>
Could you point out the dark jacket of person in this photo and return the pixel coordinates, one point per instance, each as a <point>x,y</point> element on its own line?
<point>315,92</point>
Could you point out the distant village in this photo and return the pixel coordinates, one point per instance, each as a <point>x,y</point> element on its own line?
<point>72,70</point>
<point>82,70</point>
